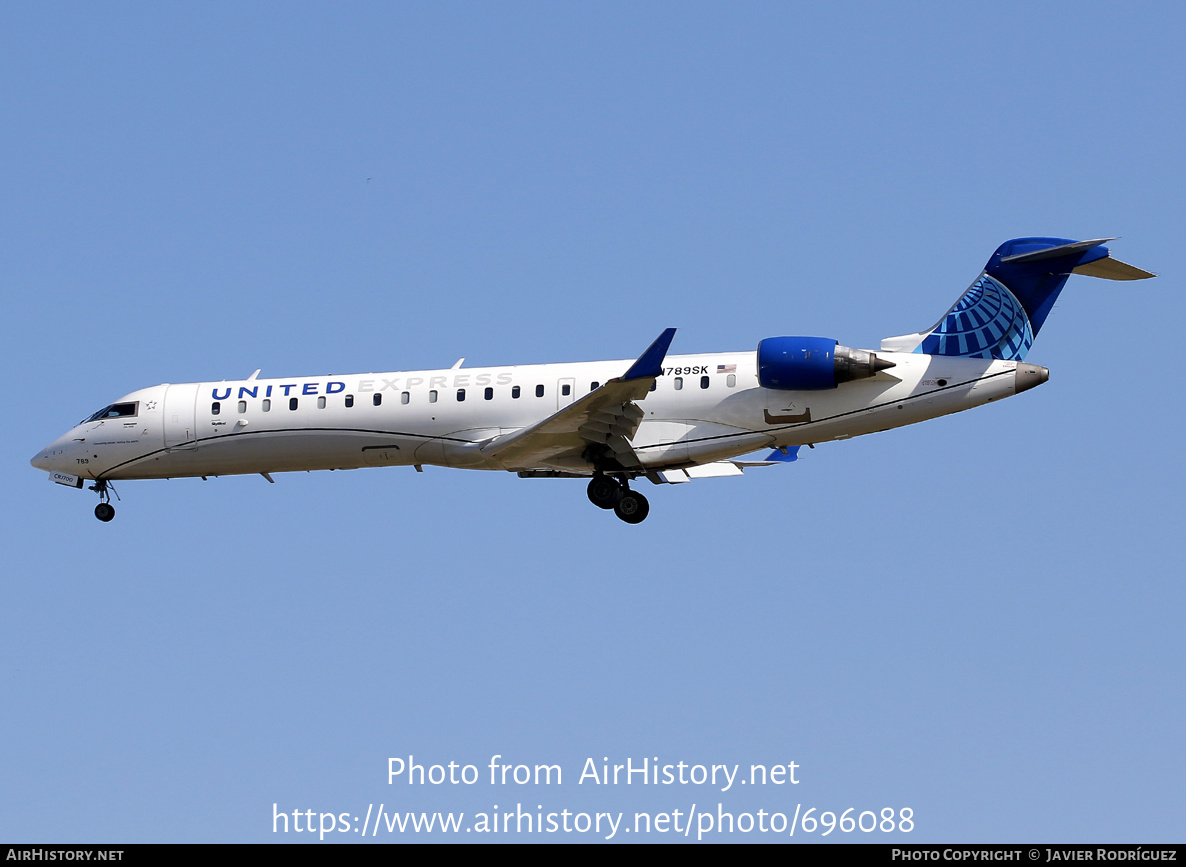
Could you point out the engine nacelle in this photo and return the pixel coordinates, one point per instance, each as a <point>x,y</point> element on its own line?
<point>812,363</point>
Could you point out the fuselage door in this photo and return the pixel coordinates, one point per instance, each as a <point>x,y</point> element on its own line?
<point>180,430</point>
<point>565,392</point>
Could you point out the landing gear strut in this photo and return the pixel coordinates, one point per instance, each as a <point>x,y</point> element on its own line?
<point>606,493</point>
<point>104,511</point>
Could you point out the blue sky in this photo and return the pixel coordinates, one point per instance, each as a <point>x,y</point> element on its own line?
<point>978,618</point>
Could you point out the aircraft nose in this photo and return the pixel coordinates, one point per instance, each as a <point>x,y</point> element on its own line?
<point>52,458</point>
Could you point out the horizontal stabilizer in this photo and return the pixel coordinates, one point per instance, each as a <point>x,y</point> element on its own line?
<point>1112,269</point>
<point>1053,252</point>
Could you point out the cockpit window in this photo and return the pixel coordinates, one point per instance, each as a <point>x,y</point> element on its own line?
<point>116,410</point>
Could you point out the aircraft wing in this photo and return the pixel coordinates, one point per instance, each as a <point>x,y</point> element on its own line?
<point>599,425</point>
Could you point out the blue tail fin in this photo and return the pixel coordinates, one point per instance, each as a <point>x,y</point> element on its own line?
<point>1003,310</point>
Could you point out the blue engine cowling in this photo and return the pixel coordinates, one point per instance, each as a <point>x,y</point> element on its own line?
<point>812,363</point>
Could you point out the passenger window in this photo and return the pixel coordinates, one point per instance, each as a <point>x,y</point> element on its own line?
<point>321,403</point>
<point>679,383</point>
<point>432,396</point>
<point>215,408</point>
<point>377,400</point>
<point>267,407</point>
<point>539,391</point>
<point>593,385</point>
<point>242,406</point>
<point>731,380</point>
<point>460,395</point>
<point>566,389</point>
<point>404,397</point>
<point>292,403</point>
<point>515,392</point>
<point>489,394</point>
<point>349,400</point>
<point>704,382</point>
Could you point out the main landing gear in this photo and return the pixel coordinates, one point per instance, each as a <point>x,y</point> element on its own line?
<point>606,493</point>
<point>104,511</point>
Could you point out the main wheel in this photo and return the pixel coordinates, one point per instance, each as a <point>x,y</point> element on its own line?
<point>604,492</point>
<point>105,512</point>
<point>632,508</point>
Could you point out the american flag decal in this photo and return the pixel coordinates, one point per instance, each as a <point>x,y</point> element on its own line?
<point>726,368</point>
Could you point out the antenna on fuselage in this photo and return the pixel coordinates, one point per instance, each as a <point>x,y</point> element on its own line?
<point>458,364</point>
<point>254,375</point>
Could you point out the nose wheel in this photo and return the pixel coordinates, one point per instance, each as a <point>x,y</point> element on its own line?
<point>607,493</point>
<point>104,511</point>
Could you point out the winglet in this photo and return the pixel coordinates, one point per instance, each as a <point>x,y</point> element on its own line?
<point>784,455</point>
<point>650,363</point>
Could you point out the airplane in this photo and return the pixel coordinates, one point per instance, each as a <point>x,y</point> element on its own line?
<point>668,418</point>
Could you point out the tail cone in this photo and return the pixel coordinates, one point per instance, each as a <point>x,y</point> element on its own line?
<point>1027,376</point>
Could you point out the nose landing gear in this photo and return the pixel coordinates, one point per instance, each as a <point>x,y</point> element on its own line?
<point>104,511</point>
<point>607,493</point>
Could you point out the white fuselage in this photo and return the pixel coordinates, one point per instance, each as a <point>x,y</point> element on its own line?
<point>705,407</point>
